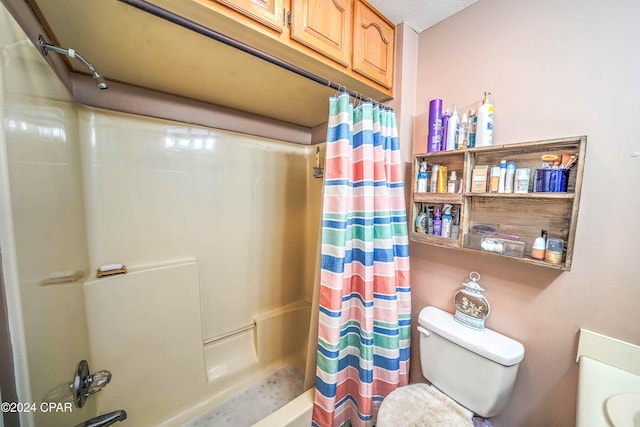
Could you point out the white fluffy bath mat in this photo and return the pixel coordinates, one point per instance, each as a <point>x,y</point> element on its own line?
<point>255,402</point>
<point>421,405</point>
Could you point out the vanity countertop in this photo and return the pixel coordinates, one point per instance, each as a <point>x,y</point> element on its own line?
<point>607,367</point>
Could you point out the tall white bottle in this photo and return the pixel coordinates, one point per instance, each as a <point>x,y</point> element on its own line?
<point>484,132</point>
<point>454,122</point>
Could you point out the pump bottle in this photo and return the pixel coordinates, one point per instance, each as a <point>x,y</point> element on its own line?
<point>484,131</point>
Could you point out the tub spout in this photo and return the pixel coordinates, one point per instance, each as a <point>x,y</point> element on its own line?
<point>105,420</point>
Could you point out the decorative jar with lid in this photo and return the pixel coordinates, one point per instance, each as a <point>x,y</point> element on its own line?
<point>472,308</point>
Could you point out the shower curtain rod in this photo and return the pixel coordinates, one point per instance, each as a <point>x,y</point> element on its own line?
<point>212,34</point>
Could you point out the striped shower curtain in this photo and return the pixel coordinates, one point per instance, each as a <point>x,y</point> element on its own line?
<point>365,297</point>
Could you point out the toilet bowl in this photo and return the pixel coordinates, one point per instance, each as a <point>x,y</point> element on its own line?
<point>470,371</point>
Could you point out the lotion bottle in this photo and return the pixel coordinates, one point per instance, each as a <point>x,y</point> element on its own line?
<point>452,127</point>
<point>484,131</point>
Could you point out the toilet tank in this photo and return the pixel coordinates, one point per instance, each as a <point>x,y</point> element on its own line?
<point>477,369</point>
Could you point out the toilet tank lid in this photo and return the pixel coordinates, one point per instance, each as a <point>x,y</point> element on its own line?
<point>487,343</point>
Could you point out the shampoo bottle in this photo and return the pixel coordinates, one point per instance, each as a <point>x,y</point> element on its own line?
<point>442,179</point>
<point>473,124</point>
<point>437,223</point>
<point>510,177</point>
<point>447,220</point>
<point>452,125</point>
<point>421,220</point>
<point>433,187</point>
<point>463,139</point>
<point>422,178</point>
<point>484,132</point>
<point>503,176</point>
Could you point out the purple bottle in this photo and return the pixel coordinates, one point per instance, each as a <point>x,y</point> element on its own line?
<point>434,140</point>
<point>445,128</point>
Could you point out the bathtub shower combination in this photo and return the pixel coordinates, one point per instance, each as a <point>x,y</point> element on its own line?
<point>218,284</point>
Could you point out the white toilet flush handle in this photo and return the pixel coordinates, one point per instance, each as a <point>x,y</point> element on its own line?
<point>423,331</point>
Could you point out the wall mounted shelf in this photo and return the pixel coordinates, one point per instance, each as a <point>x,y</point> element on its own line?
<point>512,214</point>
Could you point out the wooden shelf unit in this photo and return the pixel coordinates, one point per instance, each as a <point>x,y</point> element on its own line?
<point>522,215</point>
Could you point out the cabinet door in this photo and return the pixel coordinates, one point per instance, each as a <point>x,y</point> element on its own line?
<point>373,45</point>
<point>267,12</point>
<point>324,26</point>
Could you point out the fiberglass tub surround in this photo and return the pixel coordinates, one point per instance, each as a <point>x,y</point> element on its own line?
<point>208,224</point>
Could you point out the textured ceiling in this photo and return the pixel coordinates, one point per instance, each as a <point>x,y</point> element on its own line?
<point>419,14</point>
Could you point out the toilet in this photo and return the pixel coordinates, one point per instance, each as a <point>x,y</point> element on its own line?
<point>470,371</point>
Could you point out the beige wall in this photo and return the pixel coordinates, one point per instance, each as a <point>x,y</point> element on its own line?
<point>555,68</point>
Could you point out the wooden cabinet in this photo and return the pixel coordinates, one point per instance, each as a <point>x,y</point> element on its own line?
<point>373,45</point>
<point>266,12</point>
<point>344,41</point>
<point>514,219</point>
<point>324,26</point>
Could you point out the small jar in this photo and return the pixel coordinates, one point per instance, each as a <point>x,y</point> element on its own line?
<point>554,250</point>
<point>472,308</point>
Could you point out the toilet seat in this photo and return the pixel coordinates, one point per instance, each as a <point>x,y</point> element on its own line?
<point>421,405</point>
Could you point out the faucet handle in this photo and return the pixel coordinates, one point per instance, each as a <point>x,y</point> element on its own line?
<point>82,386</point>
<point>97,381</point>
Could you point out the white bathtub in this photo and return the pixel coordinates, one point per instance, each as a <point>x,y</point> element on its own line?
<point>163,373</point>
<point>296,413</point>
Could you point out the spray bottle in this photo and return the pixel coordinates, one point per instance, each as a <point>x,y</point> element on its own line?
<point>452,125</point>
<point>437,223</point>
<point>434,139</point>
<point>447,220</point>
<point>421,187</point>
<point>484,132</point>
